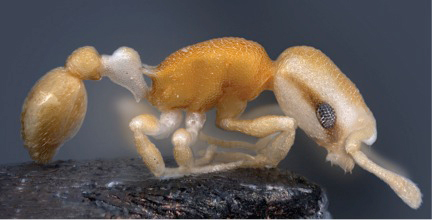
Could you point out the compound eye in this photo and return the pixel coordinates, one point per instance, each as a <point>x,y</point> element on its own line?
<point>326,115</point>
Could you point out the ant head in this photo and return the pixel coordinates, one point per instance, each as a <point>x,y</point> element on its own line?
<point>325,103</point>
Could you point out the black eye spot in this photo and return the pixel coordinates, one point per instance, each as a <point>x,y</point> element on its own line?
<point>326,115</point>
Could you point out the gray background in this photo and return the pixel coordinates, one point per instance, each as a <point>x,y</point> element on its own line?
<point>382,46</point>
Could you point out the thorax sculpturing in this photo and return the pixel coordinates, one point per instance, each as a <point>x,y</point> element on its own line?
<point>225,74</point>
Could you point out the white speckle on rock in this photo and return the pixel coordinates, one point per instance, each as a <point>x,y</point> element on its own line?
<point>304,190</point>
<point>278,188</point>
<point>254,187</point>
<point>112,183</point>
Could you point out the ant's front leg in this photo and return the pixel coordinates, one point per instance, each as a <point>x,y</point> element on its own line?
<point>147,124</point>
<point>276,132</point>
<point>277,136</point>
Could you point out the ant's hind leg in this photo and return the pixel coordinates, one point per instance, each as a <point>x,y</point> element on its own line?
<point>146,124</point>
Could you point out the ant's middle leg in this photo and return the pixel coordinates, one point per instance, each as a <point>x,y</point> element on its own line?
<point>147,124</point>
<point>183,139</point>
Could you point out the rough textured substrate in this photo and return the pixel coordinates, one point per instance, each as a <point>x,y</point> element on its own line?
<point>124,188</point>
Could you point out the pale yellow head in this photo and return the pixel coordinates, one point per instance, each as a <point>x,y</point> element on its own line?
<point>311,89</point>
<point>325,103</point>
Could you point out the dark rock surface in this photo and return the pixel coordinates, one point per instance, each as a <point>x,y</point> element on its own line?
<point>124,188</point>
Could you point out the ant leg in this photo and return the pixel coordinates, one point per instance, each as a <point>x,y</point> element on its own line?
<point>207,157</point>
<point>146,124</point>
<point>262,142</point>
<point>184,138</point>
<point>277,133</point>
<point>279,129</point>
<point>211,156</point>
<point>227,157</point>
